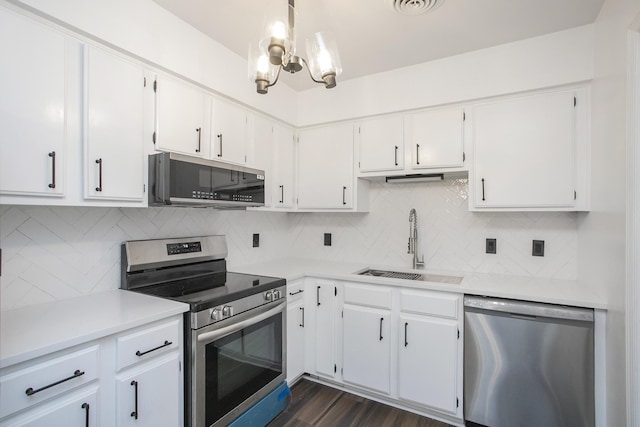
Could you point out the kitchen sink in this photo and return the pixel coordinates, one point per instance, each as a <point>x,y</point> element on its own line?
<point>454,280</point>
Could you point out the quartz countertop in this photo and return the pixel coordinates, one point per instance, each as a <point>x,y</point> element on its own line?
<point>33,331</point>
<point>554,291</point>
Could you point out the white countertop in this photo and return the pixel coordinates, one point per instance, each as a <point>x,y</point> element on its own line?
<point>36,330</point>
<point>554,291</point>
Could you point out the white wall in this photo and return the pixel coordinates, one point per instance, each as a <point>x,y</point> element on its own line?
<point>144,29</point>
<point>601,233</point>
<point>546,61</point>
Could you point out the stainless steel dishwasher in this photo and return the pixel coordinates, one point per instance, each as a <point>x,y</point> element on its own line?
<point>527,364</point>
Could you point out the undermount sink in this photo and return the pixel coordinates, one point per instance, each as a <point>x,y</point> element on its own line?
<point>453,280</point>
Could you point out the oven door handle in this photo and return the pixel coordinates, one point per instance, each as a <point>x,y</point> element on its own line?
<point>219,333</point>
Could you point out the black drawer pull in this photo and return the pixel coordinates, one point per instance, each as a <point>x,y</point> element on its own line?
<point>199,130</point>
<point>299,291</point>
<point>406,343</point>
<point>220,138</point>
<point>381,319</point>
<point>282,194</point>
<point>417,154</point>
<point>318,295</point>
<point>134,414</point>
<point>483,189</point>
<point>99,187</point>
<point>142,353</point>
<point>302,324</point>
<point>344,195</point>
<point>53,169</point>
<point>85,406</point>
<point>30,391</point>
<point>395,156</point>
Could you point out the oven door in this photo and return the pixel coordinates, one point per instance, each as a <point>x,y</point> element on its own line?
<point>236,362</point>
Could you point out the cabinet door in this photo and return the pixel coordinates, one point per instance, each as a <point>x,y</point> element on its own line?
<point>150,396</point>
<point>229,142</point>
<point>366,348</point>
<point>182,117</point>
<point>76,411</point>
<point>262,158</point>
<point>295,340</point>
<point>325,167</point>
<point>114,102</point>
<point>284,167</point>
<point>381,144</point>
<point>325,328</point>
<point>427,362</point>
<point>32,107</point>
<point>524,153</point>
<point>435,138</point>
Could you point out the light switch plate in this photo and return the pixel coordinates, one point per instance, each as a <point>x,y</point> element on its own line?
<point>256,240</point>
<point>491,246</point>
<point>327,239</point>
<point>538,248</point>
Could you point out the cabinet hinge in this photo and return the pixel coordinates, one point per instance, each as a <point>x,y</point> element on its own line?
<point>145,82</point>
<point>154,138</point>
<point>359,130</point>
<point>458,333</point>
<point>575,195</point>
<point>464,116</point>
<point>245,159</point>
<point>335,368</point>
<point>457,402</point>
<point>155,86</point>
<point>575,101</point>
<point>464,156</point>
<point>341,371</point>
<point>358,164</point>
<point>342,314</point>
<point>335,291</point>
<point>144,188</point>
<point>179,366</point>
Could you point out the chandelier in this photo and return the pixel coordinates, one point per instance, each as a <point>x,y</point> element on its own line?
<point>277,52</point>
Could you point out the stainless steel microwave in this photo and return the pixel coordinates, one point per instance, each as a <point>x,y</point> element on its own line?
<point>179,180</point>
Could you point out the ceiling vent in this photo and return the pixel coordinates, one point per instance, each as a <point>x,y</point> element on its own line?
<point>414,7</point>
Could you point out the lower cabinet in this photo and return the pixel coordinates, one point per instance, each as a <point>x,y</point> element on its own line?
<point>73,411</point>
<point>295,331</point>
<point>323,311</point>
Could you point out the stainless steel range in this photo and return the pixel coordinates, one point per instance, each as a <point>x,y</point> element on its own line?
<point>235,335</point>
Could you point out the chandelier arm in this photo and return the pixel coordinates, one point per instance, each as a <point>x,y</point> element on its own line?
<point>309,70</point>
<point>277,76</point>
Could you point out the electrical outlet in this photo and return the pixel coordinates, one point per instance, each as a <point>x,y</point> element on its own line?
<point>327,239</point>
<point>491,246</point>
<point>538,248</point>
<point>256,240</point>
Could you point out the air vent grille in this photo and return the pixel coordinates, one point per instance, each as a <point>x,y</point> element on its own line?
<point>414,7</point>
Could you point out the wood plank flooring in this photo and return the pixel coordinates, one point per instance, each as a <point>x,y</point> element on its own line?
<point>318,405</point>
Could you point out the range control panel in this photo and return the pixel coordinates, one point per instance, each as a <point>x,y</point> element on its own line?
<point>183,248</point>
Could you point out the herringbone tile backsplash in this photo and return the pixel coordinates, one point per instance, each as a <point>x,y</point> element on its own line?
<point>53,253</point>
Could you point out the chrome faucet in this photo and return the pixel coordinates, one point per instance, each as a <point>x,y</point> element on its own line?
<point>413,239</point>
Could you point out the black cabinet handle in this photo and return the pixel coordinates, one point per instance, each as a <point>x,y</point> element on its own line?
<point>482,189</point>
<point>381,319</point>
<point>85,406</point>
<point>142,353</point>
<point>405,334</point>
<point>318,295</point>
<point>99,187</point>
<point>53,169</point>
<point>134,414</point>
<point>417,154</point>
<point>199,130</point>
<point>302,324</point>
<point>299,291</point>
<point>220,138</point>
<point>395,155</point>
<point>282,194</point>
<point>344,195</point>
<point>30,391</point>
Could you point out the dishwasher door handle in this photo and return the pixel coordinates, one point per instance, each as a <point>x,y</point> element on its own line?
<point>528,309</point>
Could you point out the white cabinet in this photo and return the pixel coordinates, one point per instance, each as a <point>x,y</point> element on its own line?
<point>525,152</point>
<point>262,155</point>
<point>149,395</point>
<point>74,410</point>
<point>283,174</point>
<point>33,109</point>
<point>325,167</point>
<point>322,303</point>
<point>229,132</point>
<point>182,122</point>
<point>435,138</point>
<point>381,144</point>
<point>114,118</point>
<point>295,331</point>
<point>430,353</point>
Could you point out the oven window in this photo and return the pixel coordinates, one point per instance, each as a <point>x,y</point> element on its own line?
<point>240,364</point>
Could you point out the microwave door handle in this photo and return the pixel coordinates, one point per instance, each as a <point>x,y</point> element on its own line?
<point>219,333</point>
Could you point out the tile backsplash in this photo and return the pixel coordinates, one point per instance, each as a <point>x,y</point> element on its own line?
<point>53,253</point>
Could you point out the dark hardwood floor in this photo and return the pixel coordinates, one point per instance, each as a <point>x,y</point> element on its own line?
<point>314,404</point>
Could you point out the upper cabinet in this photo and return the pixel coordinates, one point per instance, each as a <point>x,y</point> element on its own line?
<point>284,172</point>
<point>182,117</point>
<point>33,108</point>
<point>114,118</point>
<point>529,153</point>
<point>325,167</point>
<point>229,132</point>
<point>381,144</point>
<point>435,138</point>
<point>262,156</point>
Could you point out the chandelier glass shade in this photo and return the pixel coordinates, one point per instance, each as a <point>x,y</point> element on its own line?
<point>276,51</point>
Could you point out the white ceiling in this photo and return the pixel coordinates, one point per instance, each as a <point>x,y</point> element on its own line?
<point>373,38</point>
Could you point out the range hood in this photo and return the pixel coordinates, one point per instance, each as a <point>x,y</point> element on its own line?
<point>418,177</point>
<point>179,180</point>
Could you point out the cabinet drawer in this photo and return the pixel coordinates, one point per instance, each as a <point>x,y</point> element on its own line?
<point>295,290</point>
<point>147,343</point>
<point>40,381</point>
<point>372,296</point>
<point>430,303</point>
